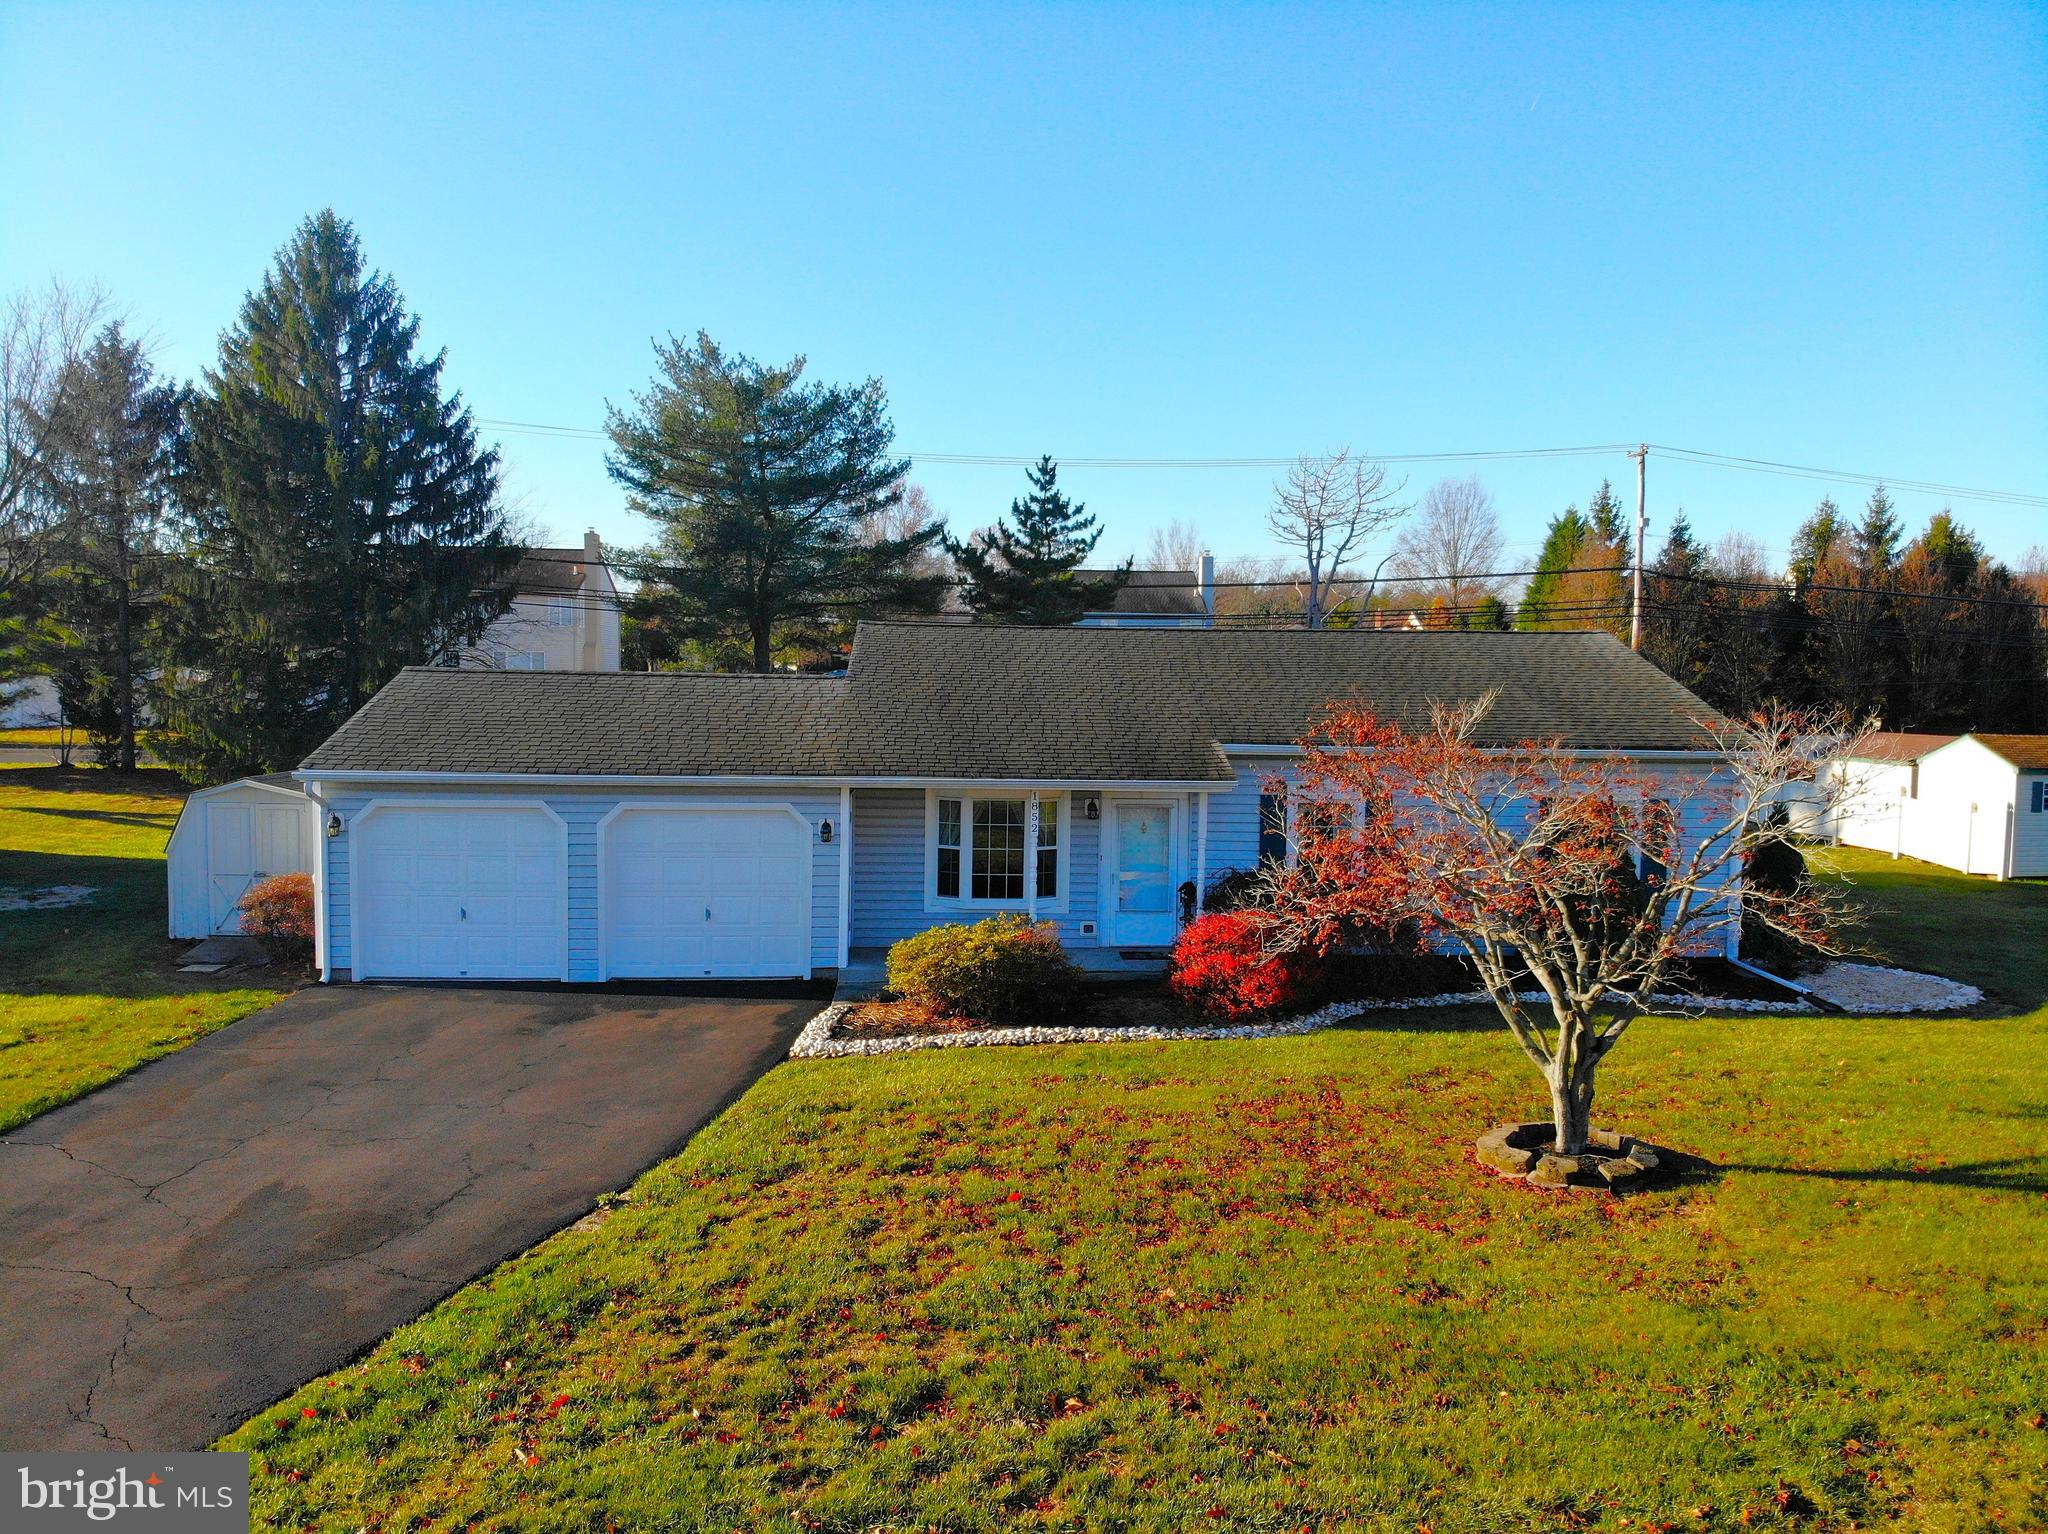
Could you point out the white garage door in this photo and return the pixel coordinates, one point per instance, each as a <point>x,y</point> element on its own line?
<point>697,892</point>
<point>458,893</point>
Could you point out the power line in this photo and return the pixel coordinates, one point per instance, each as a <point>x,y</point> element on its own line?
<point>1702,456</point>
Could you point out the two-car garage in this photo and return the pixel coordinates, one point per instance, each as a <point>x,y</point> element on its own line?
<point>491,889</point>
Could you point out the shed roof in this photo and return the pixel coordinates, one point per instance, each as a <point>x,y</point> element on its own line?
<point>2025,751</point>
<point>947,701</point>
<point>1895,745</point>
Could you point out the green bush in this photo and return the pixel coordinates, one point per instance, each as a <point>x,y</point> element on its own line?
<point>1002,971</point>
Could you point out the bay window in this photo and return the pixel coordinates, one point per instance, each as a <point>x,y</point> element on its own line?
<point>980,843</point>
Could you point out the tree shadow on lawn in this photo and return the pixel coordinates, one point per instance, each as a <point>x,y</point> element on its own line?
<point>2010,1174</point>
<point>112,944</point>
<point>155,820</point>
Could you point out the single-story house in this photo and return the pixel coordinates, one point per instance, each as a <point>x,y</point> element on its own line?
<point>1977,803</point>
<point>596,826</point>
<point>229,837</point>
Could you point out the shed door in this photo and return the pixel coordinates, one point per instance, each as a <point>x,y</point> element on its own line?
<point>247,843</point>
<point>459,892</point>
<point>693,892</point>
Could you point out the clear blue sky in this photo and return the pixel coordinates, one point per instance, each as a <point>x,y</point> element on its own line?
<point>1817,235</point>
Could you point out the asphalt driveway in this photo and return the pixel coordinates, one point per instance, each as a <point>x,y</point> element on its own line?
<point>187,1244</point>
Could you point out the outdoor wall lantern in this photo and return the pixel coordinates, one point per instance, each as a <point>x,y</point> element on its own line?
<point>333,824</point>
<point>1092,807</point>
<point>825,832</point>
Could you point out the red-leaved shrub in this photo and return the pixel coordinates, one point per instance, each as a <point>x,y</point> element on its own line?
<point>1220,966</point>
<point>278,912</point>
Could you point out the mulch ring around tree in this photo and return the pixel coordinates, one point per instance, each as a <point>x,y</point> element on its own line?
<point>1611,1161</point>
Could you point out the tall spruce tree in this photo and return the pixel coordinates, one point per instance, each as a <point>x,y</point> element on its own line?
<point>1877,535</point>
<point>1568,534</point>
<point>341,521</point>
<point>1817,539</point>
<point>106,460</point>
<point>773,498</point>
<point>1022,570</point>
<point>1678,630</point>
<point>1604,513</point>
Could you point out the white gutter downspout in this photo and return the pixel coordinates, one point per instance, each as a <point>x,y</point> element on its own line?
<point>845,877</point>
<point>320,813</point>
<point>1201,849</point>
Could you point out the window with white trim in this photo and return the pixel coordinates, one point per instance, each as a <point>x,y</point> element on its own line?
<point>979,853</point>
<point>561,612</point>
<point>1308,817</point>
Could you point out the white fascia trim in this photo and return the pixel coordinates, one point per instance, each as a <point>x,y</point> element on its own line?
<point>755,780</point>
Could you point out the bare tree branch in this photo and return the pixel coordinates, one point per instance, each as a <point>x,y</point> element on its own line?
<point>1330,509</point>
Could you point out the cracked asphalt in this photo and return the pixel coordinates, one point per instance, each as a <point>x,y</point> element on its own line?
<point>187,1244</point>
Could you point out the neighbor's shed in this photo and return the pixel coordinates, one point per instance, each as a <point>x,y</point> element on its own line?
<point>226,839</point>
<point>1994,788</point>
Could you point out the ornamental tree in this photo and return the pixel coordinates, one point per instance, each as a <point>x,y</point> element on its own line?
<point>1583,878</point>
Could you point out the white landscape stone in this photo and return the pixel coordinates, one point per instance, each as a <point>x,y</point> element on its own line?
<point>1863,988</point>
<point>1876,988</point>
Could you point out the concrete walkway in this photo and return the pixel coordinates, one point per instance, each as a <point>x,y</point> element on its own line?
<point>186,1245</point>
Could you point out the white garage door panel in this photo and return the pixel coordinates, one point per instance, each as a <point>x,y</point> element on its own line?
<point>456,893</point>
<point>693,892</point>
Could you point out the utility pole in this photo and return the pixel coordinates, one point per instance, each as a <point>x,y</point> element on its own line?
<point>1635,622</point>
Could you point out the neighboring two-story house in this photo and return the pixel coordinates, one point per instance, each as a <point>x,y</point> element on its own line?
<point>564,616</point>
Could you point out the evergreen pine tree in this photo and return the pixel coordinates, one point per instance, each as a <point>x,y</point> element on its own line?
<point>774,497</point>
<point>1604,514</point>
<point>1950,549</point>
<point>1489,615</point>
<point>1678,626</point>
<point>1567,536</point>
<point>107,447</point>
<point>1877,535</point>
<point>341,521</point>
<point>1817,538</point>
<point>1022,570</point>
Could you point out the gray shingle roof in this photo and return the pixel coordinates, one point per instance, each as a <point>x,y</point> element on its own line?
<point>1151,591</point>
<point>983,701</point>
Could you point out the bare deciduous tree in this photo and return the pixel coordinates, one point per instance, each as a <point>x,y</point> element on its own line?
<point>42,331</point>
<point>1252,590</point>
<point>905,522</point>
<point>1176,546</point>
<point>1452,547</point>
<point>1331,508</point>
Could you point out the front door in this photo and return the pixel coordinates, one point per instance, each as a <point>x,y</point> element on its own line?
<point>1141,913</point>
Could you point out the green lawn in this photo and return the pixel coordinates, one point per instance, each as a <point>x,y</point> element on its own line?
<point>89,992</point>
<point>1259,1286</point>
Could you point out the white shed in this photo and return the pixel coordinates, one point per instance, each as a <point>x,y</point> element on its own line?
<point>225,840</point>
<point>1977,803</point>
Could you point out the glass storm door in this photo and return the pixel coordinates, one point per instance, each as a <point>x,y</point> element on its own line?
<point>1142,913</point>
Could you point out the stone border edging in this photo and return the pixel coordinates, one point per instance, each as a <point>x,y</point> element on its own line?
<point>817,1043</point>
